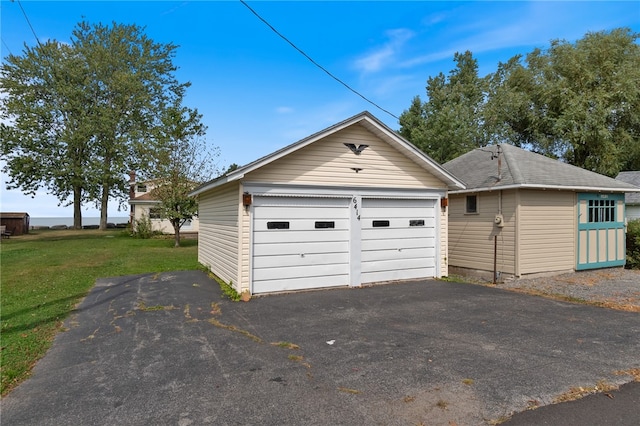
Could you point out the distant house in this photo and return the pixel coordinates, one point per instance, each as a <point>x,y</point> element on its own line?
<point>523,213</point>
<point>143,205</point>
<point>15,223</point>
<point>631,199</point>
<point>353,204</point>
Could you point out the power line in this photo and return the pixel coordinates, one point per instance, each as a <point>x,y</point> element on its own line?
<point>29,22</point>
<point>315,63</point>
<point>7,47</point>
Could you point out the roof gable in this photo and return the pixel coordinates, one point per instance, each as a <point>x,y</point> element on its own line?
<point>364,119</point>
<point>483,170</point>
<point>634,179</point>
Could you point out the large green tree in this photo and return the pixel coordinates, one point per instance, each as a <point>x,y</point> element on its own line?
<point>182,160</point>
<point>577,101</point>
<point>450,122</point>
<point>46,137</point>
<point>77,116</point>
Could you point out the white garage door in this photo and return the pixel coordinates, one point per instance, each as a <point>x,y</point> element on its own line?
<point>398,239</point>
<point>300,243</point>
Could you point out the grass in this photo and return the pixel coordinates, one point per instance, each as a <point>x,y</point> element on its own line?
<point>46,273</point>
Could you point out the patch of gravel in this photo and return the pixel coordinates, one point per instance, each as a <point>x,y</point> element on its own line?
<point>616,288</point>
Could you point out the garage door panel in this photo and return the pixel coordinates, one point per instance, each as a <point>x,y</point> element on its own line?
<point>394,275</point>
<point>289,236</point>
<point>396,234</point>
<point>396,204</point>
<point>267,286</point>
<point>381,244</point>
<point>397,218</point>
<point>422,254</point>
<point>303,224</point>
<point>274,249</point>
<point>304,213</point>
<point>306,271</point>
<point>303,259</point>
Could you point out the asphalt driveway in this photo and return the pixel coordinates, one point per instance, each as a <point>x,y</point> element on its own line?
<point>168,349</point>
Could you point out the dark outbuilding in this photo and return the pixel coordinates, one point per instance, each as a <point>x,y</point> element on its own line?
<point>15,223</point>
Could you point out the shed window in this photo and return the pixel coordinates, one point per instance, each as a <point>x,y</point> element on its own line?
<point>602,211</point>
<point>141,188</point>
<point>416,222</point>
<point>325,225</point>
<point>155,213</point>
<point>380,223</point>
<point>472,204</point>
<point>277,225</point>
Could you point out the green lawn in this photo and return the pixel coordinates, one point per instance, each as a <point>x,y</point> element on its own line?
<point>46,273</point>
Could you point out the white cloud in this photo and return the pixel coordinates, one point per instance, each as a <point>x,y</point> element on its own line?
<point>384,55</point>
<point>284,110</point>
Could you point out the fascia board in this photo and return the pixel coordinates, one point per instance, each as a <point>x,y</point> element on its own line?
<point>544,187</point>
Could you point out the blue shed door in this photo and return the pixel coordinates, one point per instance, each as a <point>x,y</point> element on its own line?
<point>601,237</point>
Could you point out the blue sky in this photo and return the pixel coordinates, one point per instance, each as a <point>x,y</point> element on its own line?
<point>258,94</point>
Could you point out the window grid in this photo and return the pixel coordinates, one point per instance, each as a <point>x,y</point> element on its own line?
<point>602,211</point>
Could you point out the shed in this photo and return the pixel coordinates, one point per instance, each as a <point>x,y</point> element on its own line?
<point>631,199</point>
<point>523,213</point>
<point>350,205</point>
<point>15,223</point>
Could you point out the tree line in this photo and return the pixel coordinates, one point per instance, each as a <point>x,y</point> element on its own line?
<point>78,116</point>
<point>577,102</point>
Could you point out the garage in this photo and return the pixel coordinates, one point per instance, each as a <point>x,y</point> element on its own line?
<point>351,205</point>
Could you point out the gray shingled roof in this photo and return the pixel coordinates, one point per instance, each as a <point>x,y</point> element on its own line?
<point>525,169</point>
<point>634,179</point>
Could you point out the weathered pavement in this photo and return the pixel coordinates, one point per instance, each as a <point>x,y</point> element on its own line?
<point>167,349</point>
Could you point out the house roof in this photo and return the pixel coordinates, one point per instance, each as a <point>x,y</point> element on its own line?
<point>365,119</point>
<point>520,168</point>
<point>146,198</point>
<point>13,215</point>
<point>634,179</point>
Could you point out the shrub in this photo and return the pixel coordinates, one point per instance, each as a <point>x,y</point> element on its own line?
<point>143,228</point>
<point>633,244</point>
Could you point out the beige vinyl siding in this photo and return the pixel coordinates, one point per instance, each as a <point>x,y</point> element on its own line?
<point>547,231</point>
<point>471,236</point>
<point>219,232</point>
<point>330,162</point>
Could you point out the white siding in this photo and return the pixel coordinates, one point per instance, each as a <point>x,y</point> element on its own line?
<point>329,161</point>
<point>471,236</point>
<point>547,231</point>
<point>633,212</point>
<point>162,225</point>
<point>218,245</point>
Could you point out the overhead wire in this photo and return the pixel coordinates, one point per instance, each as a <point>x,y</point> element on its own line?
<point>29,22</point>
<point>316,63</point>
<point>7,47</point>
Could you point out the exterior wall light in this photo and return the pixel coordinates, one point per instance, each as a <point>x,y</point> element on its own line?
<point>246,199</point>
